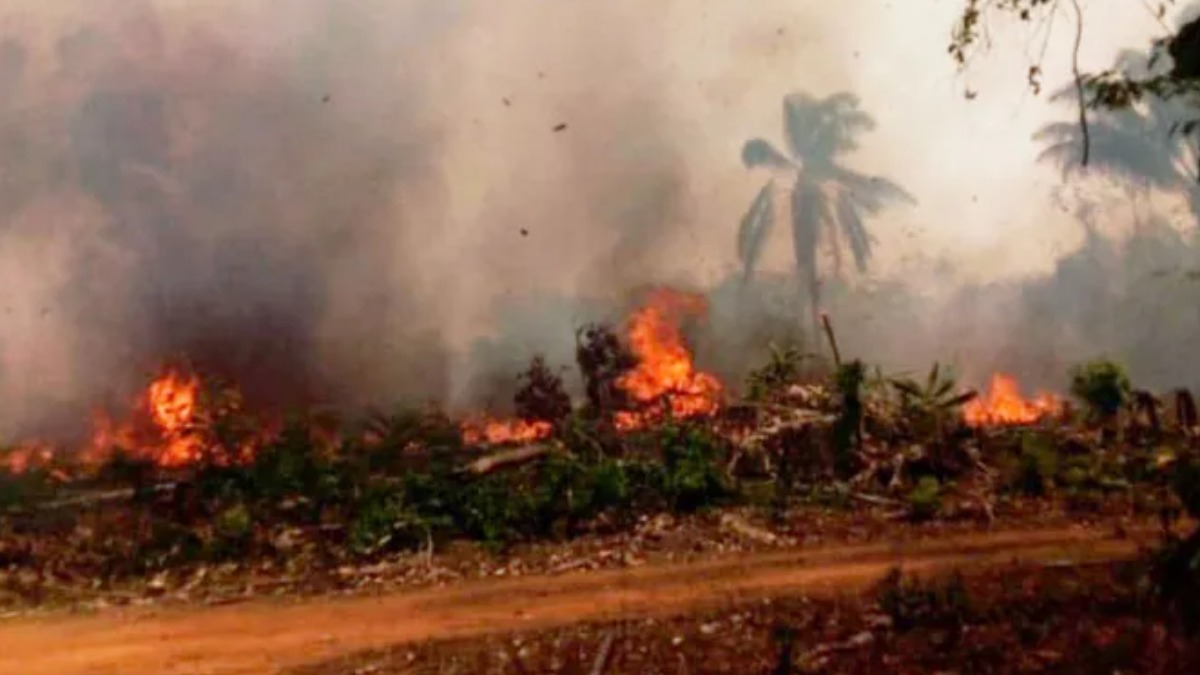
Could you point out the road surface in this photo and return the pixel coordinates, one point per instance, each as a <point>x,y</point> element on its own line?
<point>264,637</point>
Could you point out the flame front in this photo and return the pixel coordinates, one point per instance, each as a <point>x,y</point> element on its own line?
<point>163,425</point>
<point>172,402</point>
<point>665,376</point>
<point>483,430</point>
<point>1004,405</point>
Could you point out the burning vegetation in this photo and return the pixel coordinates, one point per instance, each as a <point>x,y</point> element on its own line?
<point>188,477</point>
<point>1003,404</point>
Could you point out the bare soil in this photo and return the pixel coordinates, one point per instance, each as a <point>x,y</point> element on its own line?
<point>262,636</point>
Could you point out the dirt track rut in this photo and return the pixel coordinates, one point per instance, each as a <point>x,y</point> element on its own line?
<point>265,637</point>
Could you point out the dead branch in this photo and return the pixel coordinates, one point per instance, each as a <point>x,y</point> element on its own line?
<point>601,661</point>
<point>1079,88</point>
<point>874,500</point>
<point>833,346</point>
<point>506,458</point>
<point>101,497</point>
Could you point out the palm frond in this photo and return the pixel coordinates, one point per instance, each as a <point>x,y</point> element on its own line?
<point>1130,153</point>
<point>759,153</point>
<point>754,228</point>
<point>871,193</point>
<point>854,230</point>
<point>819,129</point>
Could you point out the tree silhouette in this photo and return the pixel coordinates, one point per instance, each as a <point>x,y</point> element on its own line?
<point>828,202</point>
<point>1137,144</point>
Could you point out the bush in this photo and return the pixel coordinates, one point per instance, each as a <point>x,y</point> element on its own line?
<point>1037,465</point>
<point>384,520</point>
<point>692,478</point>
<point>1102,386</point>
<point>784,367</point>
<point>925,500</point>
<point>233,532</point>
<point>542,396</point>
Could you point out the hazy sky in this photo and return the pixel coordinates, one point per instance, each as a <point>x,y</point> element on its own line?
<point>723,66</point>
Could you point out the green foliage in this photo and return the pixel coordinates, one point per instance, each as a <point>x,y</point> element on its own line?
<point>1037,464</point>
<point>925,500</point>
<point>932,402</point>
<point>542,396</point>
<point>233,532</point>
<point>1102,386</point>
<point>602,359</point>
<point>692,477</point>
<point>784,368</point>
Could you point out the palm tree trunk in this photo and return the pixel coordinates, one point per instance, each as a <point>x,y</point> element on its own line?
<point>814,312</point>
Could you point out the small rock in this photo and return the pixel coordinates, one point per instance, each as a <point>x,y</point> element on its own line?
<point>709,628</point>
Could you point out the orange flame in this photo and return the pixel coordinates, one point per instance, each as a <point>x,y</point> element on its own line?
<point>1004,405</point>
<point>172,400</point>
<point>163,427</point>
<point>25,457</point>
<point>491,431</point>
<point>665,372</point>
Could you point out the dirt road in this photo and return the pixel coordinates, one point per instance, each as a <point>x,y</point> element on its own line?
<point>264,637</point>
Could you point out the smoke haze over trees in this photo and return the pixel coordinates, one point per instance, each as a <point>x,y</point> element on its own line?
<point>365,203</point>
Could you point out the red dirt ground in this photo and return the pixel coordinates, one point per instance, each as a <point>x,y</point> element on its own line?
<point>263,637</point>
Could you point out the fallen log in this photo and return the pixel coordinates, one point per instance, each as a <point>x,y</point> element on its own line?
<point>506,458</point>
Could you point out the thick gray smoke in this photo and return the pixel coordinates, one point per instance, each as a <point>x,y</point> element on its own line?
<point>260,190</point>
<point>382,201</point>
<point>181,193</point>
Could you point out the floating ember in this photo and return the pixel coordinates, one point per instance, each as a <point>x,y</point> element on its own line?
<point>665,378</point>
<point>1004,405</point>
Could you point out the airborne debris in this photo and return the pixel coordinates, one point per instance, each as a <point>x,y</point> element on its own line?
<point>560,127</point>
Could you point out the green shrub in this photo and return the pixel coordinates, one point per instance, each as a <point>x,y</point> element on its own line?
<point>1038,464</point>
<point>383,520</point>
<point>784,368</point>
<point>233,532</point>
<point>490,511</point>
<point>1102,386</point>
<point>925,500</point>
<point>692,477</point>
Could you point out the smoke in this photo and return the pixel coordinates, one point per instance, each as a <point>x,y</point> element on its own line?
<point>389,201</point>
<point>220,187</point>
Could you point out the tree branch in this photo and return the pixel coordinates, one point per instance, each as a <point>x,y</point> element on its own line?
<point>1079,88</point>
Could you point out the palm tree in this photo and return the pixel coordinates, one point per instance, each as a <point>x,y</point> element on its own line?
<point>1138,144</point>
<point>828,202</point>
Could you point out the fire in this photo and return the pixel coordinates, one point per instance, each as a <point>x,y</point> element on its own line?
<point>665,374</point>
<point>172,402</point>
<point>664,381</point>
<point>491,431</point>
<point>1004,405</point>
<point>163,426</point>
<point>24,457</point>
